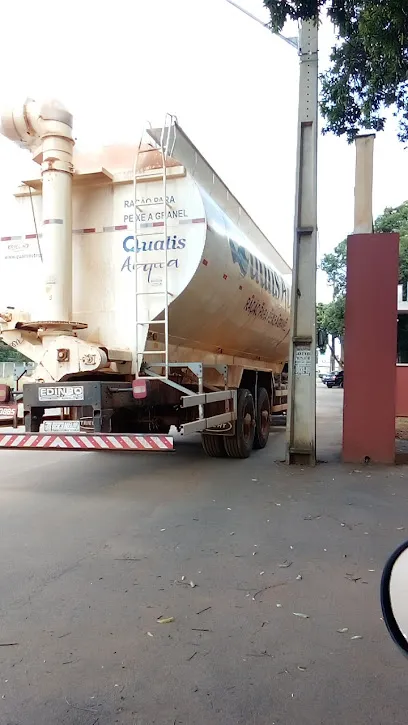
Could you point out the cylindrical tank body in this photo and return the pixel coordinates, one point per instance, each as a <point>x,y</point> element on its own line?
<point>227,301</point>
<point>236,303</point>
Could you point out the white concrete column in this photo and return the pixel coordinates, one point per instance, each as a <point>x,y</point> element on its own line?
<point>301,424</point>
<point>363,187</point>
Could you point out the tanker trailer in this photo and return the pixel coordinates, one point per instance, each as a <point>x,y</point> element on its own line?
<point>145,294</point>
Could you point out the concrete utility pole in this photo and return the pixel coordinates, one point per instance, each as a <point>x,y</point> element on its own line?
<point>301,423</point>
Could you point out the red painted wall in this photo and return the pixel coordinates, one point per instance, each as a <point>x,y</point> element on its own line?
<point>402,392</point>
<point>370,348</point>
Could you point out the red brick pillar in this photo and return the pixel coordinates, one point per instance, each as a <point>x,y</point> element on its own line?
<point>370,348</point>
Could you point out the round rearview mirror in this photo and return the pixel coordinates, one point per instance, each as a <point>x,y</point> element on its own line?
<point>394,596</point>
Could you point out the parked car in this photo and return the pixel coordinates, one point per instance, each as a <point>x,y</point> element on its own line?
<point>335,379</point>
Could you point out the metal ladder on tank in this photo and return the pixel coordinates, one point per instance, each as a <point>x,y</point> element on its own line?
<point>189,398</point>
<point>167,141</point>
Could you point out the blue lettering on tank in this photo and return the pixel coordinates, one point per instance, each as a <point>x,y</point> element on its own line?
<point>240,256</point>
<point>266,277</point>
<point>173,242</point>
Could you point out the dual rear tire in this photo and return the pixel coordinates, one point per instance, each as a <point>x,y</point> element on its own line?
<point>251,428</point>
<point>213,445</point>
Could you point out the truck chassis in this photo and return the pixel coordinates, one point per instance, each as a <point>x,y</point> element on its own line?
<point>137,415</point>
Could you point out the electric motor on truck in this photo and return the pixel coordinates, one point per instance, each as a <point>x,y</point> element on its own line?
<point>144,293</point>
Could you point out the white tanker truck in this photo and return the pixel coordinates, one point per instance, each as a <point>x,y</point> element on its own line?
<point>145,294</point>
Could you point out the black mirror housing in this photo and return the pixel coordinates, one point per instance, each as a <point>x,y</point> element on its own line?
<point>394,601</point>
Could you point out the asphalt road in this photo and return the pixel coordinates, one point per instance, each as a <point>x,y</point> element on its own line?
<point>94,549</point>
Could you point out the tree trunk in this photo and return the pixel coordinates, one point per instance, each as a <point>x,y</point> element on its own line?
<point>333,356</point>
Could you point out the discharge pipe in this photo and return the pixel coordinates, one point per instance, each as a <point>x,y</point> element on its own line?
<point>46,131</point>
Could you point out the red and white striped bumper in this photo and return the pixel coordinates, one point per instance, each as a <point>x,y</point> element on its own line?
<point>87,442</point>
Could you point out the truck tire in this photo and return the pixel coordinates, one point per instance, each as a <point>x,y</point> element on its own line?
<point>263,414</point>
<point>240,445</point>
<point>213,446</point>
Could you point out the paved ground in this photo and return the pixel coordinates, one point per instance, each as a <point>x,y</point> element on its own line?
<point>94,548</point>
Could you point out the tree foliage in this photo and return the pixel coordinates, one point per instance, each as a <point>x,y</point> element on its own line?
<point>368,65</point>
<point>395,219</point>
<point>330,317</point>
<point>335,266</point>
<point>333,319</point>
<point>330,322</point>
<point>8,354</point>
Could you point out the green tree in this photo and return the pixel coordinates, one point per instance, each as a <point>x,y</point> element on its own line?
<point>330,321</point>
<point>368,70</point>
<point>335,265</point>
<point>334,317</point>
<point>395,219</point>
<point>320,307</point>
<point>8,354</point>
<point>330,317</point>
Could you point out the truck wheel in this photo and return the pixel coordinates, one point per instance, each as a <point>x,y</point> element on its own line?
<point>240,445</point>
<point>262,419</point>
<point>213,445</point>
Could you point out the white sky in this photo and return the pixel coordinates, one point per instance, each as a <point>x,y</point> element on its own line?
<point>231,83</point>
